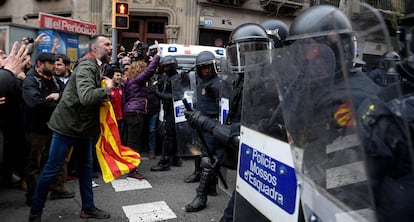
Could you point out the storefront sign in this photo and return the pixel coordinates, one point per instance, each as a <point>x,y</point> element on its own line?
<point>65,24</point>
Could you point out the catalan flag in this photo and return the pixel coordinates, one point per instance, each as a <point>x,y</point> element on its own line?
<point>114,158</point>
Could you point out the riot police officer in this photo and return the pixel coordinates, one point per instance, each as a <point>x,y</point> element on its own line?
<point>386,73</point>
<point>168,65</point>
<point>276,30</point>
<point>207,104</point>
<point>244,39</point>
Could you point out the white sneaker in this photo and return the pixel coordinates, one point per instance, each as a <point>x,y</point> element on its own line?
<point>94,184</point>
<point>15,178</point>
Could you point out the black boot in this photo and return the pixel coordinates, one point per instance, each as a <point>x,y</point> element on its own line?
<point>195,177</point>
<point>176,161</point>
<point>212,191</point>
<point>200,201</point>
<point>162,165</point>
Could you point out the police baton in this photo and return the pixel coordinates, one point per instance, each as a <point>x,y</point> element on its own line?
<point>203,141</point>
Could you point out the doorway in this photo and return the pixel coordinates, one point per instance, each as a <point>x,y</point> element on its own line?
<point>144,29</point>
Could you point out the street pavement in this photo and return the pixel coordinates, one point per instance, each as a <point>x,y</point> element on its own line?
<point>161,197</point>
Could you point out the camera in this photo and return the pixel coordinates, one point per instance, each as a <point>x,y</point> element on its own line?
<point>28,40</point>
<point>138,51</point>
<point>152,50</point>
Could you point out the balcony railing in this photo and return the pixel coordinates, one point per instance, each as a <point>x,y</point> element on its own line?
<point>229,2</point>
<point>282,6</point>
<point>325,2</point>
<point>266,2</point>
<point>390,5</point>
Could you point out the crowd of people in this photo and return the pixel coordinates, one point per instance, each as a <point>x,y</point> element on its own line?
<point>49,112</point>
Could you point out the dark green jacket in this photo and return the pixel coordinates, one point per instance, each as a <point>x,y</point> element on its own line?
<point>77,114</point>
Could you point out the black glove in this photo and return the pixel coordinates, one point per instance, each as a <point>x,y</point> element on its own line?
<point>154,89</point>
<point>195,119</point>
<point>273,128</point>
<point>199,121</point>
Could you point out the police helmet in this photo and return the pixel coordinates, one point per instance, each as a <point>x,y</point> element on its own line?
<point>389,60</point>
<point>244,39</point>
<point>327,25</point>
<point>168,61</point>
<point>276,30</point>
<point>206,58</point>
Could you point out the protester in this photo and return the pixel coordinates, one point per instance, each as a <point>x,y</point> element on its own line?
<point>135,102</point>
<point>11,113</point>
<point>116,96</point>
<point>41,93</point>
<point>75,122</point>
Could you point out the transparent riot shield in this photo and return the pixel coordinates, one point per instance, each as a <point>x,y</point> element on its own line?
<point>227,85</point>
<point>184,86</point>
<point>329,160</point>
<point>266,185</point>
<point>337,120</point>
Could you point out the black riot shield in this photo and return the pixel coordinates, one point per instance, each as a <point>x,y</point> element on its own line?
<point>266,186</point>
<point>184,86</point>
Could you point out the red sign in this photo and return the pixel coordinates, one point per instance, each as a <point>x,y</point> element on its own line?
<point>65,24</point>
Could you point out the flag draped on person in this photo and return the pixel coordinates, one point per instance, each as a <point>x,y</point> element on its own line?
<point>114,158</point>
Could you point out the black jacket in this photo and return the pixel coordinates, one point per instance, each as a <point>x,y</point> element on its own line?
<point>37,109</point>
<point>10,87</point>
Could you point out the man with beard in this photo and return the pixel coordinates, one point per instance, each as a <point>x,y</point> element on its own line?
<point>75,122</point>
<point>62,69</point>
<point>41,93</point>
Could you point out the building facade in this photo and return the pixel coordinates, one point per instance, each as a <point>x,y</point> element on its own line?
<point>204,22</point>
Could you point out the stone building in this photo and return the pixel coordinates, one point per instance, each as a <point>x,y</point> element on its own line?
<point>204,22</point>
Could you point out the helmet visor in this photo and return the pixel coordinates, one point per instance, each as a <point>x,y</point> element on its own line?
<point>236,53</point>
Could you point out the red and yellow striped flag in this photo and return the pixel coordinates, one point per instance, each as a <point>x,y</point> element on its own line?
<point>343,115</point>
<point>114,158</point>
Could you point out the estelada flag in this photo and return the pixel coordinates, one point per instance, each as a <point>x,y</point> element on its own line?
<point>114,158</point>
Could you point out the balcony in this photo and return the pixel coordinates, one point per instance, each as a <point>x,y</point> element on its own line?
<point>284,7</point>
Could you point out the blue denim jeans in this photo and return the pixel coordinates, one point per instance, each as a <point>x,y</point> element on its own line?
<point>152,124</point>
<point>59,149</point>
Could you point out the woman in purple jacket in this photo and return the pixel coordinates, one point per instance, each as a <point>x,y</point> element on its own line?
<point>135,103</point>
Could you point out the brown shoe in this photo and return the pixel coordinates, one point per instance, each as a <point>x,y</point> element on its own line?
<point>61,194</point>
<point>152,155</point>
<point>94,212</point>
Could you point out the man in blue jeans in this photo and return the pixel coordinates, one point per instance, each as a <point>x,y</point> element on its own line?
<point>75,122</point>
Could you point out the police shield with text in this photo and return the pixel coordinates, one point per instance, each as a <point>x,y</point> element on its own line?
<point>183,86</point>
<point>266,185</point>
